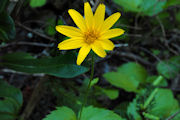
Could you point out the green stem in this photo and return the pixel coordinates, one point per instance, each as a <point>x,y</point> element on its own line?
<point>88,88</point>
<point>150,98</point>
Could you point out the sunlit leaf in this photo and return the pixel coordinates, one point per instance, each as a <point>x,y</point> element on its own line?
<point>61,113</point>
<point>128,76</point>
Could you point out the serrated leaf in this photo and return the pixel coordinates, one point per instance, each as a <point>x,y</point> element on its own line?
<point>7,27</point>
<point>37,3</point>
<point>92,113</point>
<point>127,77</point>
<point>61,66</point>
<point>61,113</point>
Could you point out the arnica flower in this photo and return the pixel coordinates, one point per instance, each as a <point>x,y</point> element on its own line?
<point>93,32</point>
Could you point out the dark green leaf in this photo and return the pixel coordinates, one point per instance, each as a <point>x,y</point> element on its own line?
<point>169,68</point>
<point>3,4</point>
<point>146,7</point>
<point>7,27</point>
<point>62,66</point>
<point>10,102</point>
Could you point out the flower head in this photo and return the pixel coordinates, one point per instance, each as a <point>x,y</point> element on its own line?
<point>93,32</point>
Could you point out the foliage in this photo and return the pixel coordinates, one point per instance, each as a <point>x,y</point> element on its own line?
<point>169,68</point>
<point>37,3</point>
<point>89,113</point>
<point>61,66</point>
<point>128,76</point>
<point>7,28</point>
<point>10,101</point>
<point>144,7</point>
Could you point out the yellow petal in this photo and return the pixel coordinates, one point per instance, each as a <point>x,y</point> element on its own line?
<point>110,21</point>
<point>78,19</point>
<point>71,43</point>
<point>69,31</point>
<point>107,44</point>
<point>83,52</point>
<point>88,14</point>
<point>112,33</point>
<point>99,15</point>
<point>97,48</point>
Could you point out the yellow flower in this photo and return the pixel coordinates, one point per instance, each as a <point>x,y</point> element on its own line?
<point>93,32</point>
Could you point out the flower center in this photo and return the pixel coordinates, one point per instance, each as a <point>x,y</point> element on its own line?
<point>91,36</point>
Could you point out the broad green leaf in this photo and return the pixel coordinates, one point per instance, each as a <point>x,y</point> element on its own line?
<point>92,113</point>
<point>37,3</point>
<point>7,27</point>
<point>164,104</point>
<point>145,7</point>
<point>62,113</point>
<point>127,77</point>
<point>169,68</point>
<point>3,4</point>
<point>10,101</point>
<point>61,66</point>
<point>16,56</point>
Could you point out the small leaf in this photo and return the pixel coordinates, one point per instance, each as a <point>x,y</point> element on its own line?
<point>170,68</point>
<point>111,93</point>
<point>128,76</point>
<point>92,113</point>
<point>7,27</point>
<point>62,113</point>
<point>37,3</point>
<point>132,111</point>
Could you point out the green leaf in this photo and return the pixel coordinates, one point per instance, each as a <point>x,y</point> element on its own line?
<point>92,113</point>
<point>128,76</point>
<point>111,93</point>
<point>10,101</point>
<point>172,3</point>
<point>164,104</point>
<point>146,7</point>
<point>62,113</point>
<point>94,81</point>
<point>61,66</point>
<point>7,27</point>
<point>169,68</point>
<point>132,111</point>
<point>3,4</point>
<point>37,3</point>
<point>11,92</point>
